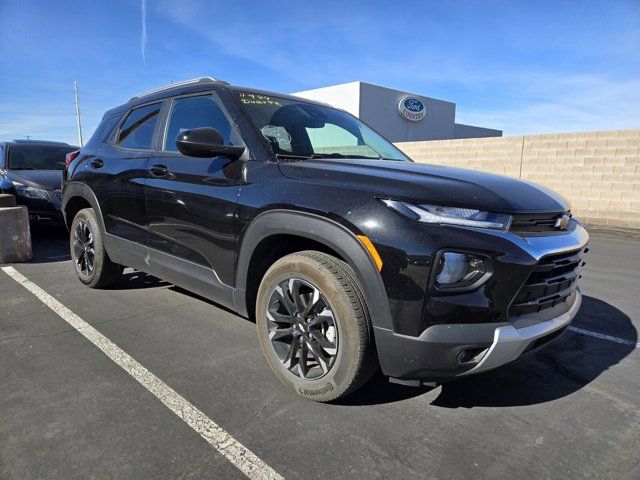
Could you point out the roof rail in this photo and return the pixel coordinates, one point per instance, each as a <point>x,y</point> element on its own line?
<point>178,84</point>
<point>20,140</point>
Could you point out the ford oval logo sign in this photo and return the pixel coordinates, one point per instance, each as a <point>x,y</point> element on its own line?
<point>412,109</point>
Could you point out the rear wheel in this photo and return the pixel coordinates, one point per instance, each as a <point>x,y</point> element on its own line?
<point>314,326</point>
<point>90,259</point>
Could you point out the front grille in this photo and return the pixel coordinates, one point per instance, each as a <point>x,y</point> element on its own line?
<point>532,223</point>
<point>553,279</point>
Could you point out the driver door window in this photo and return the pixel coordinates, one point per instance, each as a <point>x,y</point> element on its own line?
<point>196,112</point>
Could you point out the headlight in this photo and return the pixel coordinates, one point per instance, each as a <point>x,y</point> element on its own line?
<point>468,217</point>
<point>30,192</point>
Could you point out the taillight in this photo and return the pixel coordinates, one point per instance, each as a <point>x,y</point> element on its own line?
<point>71,157</point>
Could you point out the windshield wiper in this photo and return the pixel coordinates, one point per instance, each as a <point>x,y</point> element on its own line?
<point>327,155</point>
<point>366,157</point>
<point>299,156</point>
<point>292,156</point>
<point>340,155</point>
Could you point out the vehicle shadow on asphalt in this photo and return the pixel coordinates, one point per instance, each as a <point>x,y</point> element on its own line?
<point>50,243</point>
<point>137,280</point>
<point>567,365</point>
<point>379,390</point>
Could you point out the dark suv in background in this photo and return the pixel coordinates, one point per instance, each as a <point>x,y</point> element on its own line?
<point>349,255</point>
<point>32,171</point>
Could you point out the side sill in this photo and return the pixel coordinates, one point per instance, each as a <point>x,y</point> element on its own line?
<point>195,278</point>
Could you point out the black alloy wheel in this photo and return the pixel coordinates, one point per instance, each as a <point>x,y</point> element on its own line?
<point>84,248</point>
<point>302,328</point>
<point>314,327</point>
<point>90,258</point>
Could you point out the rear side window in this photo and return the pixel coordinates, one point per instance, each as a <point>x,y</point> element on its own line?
<point>102,132</point>
<point>196,112</point>
<point>137,130</point>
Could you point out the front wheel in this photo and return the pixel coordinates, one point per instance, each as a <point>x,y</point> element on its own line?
<point>90,259</point>
<point>314,326</point>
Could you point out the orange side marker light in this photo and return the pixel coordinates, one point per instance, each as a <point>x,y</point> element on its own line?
<point>372,251</point>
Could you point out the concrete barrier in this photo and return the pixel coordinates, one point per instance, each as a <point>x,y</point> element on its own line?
<point>15,235</point>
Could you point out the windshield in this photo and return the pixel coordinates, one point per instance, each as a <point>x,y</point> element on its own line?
<point>298,128</point>
<point>38,157</point>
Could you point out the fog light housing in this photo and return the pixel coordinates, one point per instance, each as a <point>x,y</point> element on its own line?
<point>456,271</point>
<point>471,355</point>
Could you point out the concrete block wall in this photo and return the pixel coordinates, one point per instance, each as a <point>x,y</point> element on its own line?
<point>598,172</point>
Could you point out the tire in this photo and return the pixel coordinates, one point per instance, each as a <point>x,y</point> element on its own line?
<point>336,340</point>
<point>92,264</point>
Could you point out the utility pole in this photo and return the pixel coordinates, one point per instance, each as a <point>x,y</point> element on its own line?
<point>75,94</point>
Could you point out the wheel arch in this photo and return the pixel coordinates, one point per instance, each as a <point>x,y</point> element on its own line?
<point>77,196</point>
<point>331,237</point>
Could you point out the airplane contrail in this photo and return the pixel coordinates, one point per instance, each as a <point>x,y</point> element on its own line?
<point>143,37</point>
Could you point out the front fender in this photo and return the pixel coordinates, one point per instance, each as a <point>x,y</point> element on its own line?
<point>323,230</point>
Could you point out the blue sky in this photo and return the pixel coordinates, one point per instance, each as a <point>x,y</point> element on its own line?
<point>524,67</point>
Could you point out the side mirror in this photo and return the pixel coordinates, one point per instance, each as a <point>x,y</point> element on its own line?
<point>205,142</point>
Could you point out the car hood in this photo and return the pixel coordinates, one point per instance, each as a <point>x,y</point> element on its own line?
<point>43,179</point>
<point>422,183</point>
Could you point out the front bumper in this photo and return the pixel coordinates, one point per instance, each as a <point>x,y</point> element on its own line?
<point>46,218</point>
<point>435,355</point>
<point>43,211</point>
<point>510,342</point>
<point>467,339</point>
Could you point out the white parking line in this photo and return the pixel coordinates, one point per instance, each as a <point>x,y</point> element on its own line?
<point>603,336</point>
<point>243,458</point>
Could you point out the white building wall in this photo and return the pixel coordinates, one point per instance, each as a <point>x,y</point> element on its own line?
<point>345,96</point>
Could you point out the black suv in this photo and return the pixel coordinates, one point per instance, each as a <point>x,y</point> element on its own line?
<point>32,170</point>
<point>348,254</point>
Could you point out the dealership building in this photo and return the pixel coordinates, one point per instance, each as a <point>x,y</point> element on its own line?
<point>399,116</point>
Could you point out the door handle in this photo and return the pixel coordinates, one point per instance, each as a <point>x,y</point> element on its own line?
<point>97,163</point>
<point>159,170</point>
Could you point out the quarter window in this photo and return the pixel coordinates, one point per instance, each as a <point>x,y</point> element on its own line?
<point>137,130</point>
<point>197,112</point>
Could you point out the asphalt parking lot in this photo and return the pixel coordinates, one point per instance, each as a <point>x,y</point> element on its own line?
<point>68,411</point>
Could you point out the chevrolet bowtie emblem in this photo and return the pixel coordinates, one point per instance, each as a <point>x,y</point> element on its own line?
<point>562,222</point>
